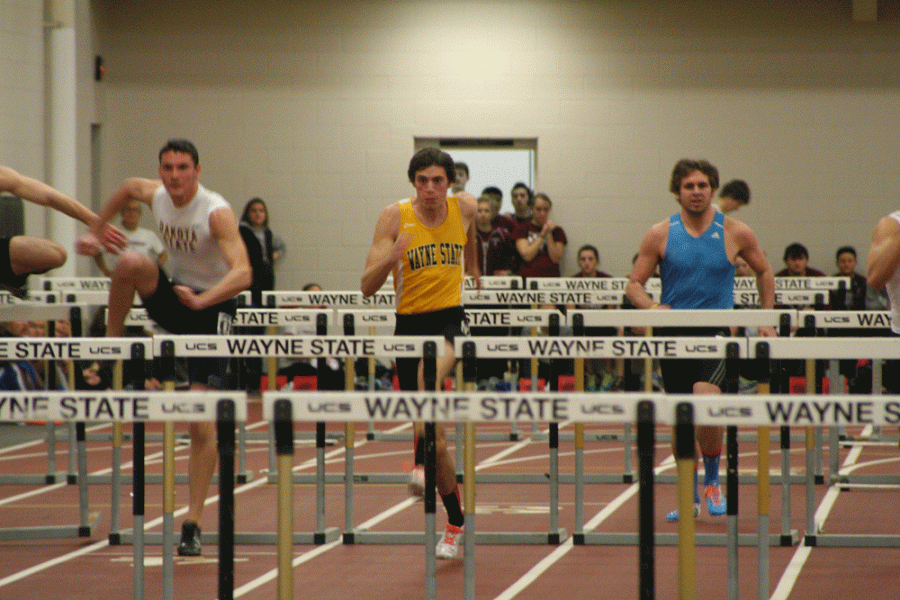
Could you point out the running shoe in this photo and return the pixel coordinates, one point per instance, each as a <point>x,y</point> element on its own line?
<point>448,546</point>
<point>416,483</point>
<point>672,517</point>
<point>190,540</point>
<point>715,501</point>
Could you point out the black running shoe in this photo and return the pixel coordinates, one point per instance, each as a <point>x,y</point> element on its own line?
<point>190,540</point>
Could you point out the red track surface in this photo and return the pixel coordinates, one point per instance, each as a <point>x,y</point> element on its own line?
<point>89,567</point>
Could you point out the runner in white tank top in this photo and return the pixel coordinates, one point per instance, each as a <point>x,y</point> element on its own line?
<point>209,267</point>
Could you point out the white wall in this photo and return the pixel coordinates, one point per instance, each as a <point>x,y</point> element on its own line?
<point>22,94</point>
<point>314,107</point>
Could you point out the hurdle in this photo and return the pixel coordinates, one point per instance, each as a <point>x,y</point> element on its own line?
<point>69,349</point>
<point>14,309</point>
<point>842,407</point>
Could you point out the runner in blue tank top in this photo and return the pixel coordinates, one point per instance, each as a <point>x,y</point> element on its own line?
<point>695,250</point>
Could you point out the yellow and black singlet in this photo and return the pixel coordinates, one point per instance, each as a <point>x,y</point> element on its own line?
<point>430,275</point>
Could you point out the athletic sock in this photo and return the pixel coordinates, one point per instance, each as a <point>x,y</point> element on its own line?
<point>696,493</point>
<point>454,508</point>
<point>711,466</point>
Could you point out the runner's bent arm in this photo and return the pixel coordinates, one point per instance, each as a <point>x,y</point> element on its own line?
<point>387,248</point>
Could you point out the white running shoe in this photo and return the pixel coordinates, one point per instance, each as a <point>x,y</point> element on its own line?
<point>448,546</point>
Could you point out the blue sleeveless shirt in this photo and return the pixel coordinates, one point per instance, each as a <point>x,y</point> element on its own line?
<point>696,272</point>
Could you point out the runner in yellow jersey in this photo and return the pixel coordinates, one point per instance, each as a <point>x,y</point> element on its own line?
<point>428,243</point>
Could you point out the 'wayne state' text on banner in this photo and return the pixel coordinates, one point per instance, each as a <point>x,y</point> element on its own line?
<point>800,409</point>
<point>459,407</point>
<point>117,406</point>
<point>290,345</point>
<point>600,347</point>
<point>70,348</point>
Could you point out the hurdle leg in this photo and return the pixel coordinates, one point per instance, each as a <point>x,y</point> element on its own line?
<point>84,529</point>
<point>73,442</point>
<point>430,509</point>
<point>116,476</point>
<point>579,480</point>
<point>349,449</point>
<point>283,426</point>
<point>469,513</point>
<point>225,423</point>
<point>50,436</point>
<point>137,510</point>
<point>579,454</point>
<point>686,465</point>
<point>646,434</point>
<point>168,533</point>
<point>787,537</point>
<point>731,446</point>
<point>115,519</point>
<point>762,503</point>
<point>320,483</point>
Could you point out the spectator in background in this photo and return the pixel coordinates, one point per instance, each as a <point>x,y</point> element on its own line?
<point>796,258</point>
<point>853,298</point>
<point>733,195</point>
<point>140,239</point>
<point>462,178</point>
<point>496,255</point>
<point>600,374</point>
<point>522,201</point>
<point>264,247</point>
<point>540,241</point>
<point>588,262</point>
<point>498,220</point>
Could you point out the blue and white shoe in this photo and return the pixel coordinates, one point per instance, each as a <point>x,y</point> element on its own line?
<point>715,501</point>
<point>672,517</point>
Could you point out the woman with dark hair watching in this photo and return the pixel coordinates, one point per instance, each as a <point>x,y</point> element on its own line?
<point>264,246</point>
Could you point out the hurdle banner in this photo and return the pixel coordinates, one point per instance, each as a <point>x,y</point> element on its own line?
<point>571,284</point>
<point>484,317</point>
<point>459,407</point>
<point>31,296</point>
<point>850,319</point>
<point>117,406</point>
<point>803,410</point>
<point>367,317</point>
<point>602,347</point>
<point>53,348</point>
<point>678,318</point>
<point>826,348</point>
<point>74,284</point>
<point>495,282</point>
<point>330,299</point>
<point>295,345</point>
<point>786,297</point>
<point>540,297</point>
<point>259,317</point>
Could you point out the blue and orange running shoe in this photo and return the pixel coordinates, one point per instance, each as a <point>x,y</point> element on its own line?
<point>715,501</point>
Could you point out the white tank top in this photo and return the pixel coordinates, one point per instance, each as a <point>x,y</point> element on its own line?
<point>893,290</point>
<point>195,259</point>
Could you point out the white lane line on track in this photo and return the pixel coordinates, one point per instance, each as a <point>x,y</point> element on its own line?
<point>548,561</point>
<point>795,566</point>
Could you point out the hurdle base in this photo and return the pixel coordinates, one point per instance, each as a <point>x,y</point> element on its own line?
<point>482,538</point>
<point>52,532</point>
<point>510,478</point>
<point>671,539</point>
<point>153,479</point>
<point>211,538</point>
<point>846,540</point>
<point>35,479</point>
<point>865,479</point>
